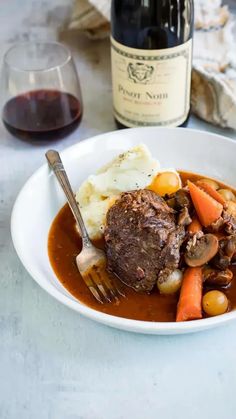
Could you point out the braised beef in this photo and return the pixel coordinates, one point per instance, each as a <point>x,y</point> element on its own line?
<point>229,223</point>
<point>142,238</point>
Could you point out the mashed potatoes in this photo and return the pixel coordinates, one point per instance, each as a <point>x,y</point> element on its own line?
<point>134,169</point>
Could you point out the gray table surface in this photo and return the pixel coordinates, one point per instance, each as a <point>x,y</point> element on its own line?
<point>55,364</point>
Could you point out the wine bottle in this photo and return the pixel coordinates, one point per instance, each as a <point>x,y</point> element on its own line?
<point>151,50</point>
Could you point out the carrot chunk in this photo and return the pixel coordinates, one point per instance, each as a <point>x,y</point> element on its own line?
<point>190,301</point>
<point>195,226</point>
<point>212,192</point>
<point>207,208</point>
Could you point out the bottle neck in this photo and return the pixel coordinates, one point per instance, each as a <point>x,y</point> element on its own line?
<point>151,24</point>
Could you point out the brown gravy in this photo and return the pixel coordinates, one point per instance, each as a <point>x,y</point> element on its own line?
<point>64,244</point>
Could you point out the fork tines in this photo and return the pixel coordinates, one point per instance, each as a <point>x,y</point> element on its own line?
<point>103,288</point>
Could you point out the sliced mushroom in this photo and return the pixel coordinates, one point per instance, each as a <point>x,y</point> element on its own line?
<point>184,217</point>
<point>230,246</point>
<point>217,277</point>
<point>221,261</point>
<point>170,201</point>
<point>179,199</point>
<point>202,251</point>
<point>217,226</point>
<point>182,198</point>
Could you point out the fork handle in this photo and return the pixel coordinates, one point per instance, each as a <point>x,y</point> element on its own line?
<point>56,165</point>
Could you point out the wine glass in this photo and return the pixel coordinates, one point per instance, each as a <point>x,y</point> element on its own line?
<point>40,91</point>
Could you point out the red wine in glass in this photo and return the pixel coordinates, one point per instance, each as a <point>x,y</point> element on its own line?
<point>40,96</point>
<point>42,115</point>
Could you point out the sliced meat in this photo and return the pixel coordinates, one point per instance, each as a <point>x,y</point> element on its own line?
<point>170,254</point>
<point>229,223</point>
<point>142,238</point>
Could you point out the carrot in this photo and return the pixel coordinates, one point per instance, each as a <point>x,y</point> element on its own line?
<point>190,300</point>
<point>211,191</point>
<point>207,208</point>
<point>195,226</point>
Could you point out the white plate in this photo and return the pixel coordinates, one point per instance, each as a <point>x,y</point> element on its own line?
<point>185,149</point>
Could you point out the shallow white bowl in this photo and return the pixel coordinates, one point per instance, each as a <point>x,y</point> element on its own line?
<point>185,149</point>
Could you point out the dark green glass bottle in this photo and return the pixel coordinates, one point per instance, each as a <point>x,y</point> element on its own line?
<point>151,61</point>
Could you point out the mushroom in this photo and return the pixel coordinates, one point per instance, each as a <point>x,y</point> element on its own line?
<point>170,201</point>
<point>233,261</point>
<point>227,250</point>
<point>221,261</point>
<point>202,251</point>
<point>217,226</point>
<point>217,277</point>
<point>179,200</point>
<point>230,246</point>
<point>182,198</point>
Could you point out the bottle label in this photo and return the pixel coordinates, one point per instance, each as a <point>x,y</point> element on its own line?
<point>151,87</point>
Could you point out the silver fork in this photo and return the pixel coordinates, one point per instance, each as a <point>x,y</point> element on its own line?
<point>91,262</point>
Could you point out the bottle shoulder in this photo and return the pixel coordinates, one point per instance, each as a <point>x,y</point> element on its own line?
<point>159,26</point>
